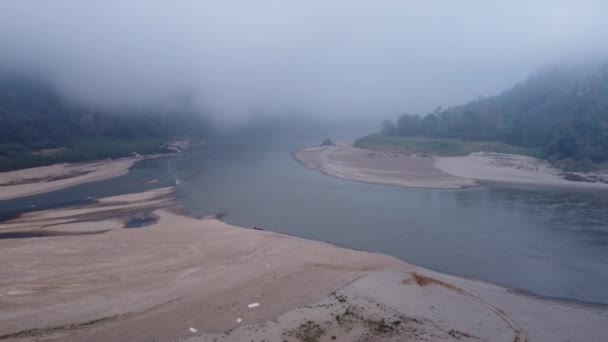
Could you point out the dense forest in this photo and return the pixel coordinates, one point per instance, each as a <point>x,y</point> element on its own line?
<point>563,111</point>
<point>35,118</point>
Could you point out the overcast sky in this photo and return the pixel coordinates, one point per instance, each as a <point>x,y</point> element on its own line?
<point>330,58</point>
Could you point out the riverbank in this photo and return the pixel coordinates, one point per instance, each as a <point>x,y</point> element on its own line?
<point>512,169</point>
<point>426,171</point>
<point>38,180</point>
<point>199,279</point>
<point>368,166</point>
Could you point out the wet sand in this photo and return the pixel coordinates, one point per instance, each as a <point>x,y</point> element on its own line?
<point>185,278</point>
<point>381,167</point>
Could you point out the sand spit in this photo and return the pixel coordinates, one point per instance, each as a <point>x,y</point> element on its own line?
<point>509,168</point>
<point>43,179</point>
<point>107,213</point>
<point>200,279</point>
<point>410,170</point>
<point>379,167</point>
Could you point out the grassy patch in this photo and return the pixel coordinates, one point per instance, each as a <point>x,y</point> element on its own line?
<point>309,332</point>
<point>440,147</point>
<point>580,165</point>
<point>381,327</point>
<point>14,156</point>
<point>341,298</point>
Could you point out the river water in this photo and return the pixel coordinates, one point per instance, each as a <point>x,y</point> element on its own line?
<point>552,242</point>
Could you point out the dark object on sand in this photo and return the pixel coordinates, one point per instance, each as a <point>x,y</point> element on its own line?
<point>574,177</point>
<point>328,142</point>
<point>141,220</point>
<point>256,228</point>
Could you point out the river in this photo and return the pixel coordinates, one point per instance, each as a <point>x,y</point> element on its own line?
<point>552,242</point>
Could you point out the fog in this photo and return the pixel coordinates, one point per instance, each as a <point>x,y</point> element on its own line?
<point>337,59</point>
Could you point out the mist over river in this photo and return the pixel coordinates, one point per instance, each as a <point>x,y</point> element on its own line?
<point>552,242</point>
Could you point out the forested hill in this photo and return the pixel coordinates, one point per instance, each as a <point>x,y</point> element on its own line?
<point>563,111</point>
<point>35,118</point>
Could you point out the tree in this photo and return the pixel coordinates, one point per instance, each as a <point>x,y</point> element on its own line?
<point>561,111</point>
<point>430,125</point>
<point>389,128</point>
<point>408,125</point>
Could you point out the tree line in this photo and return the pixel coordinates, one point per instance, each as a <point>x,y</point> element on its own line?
<point>563,110</point>
<point>34,115</point>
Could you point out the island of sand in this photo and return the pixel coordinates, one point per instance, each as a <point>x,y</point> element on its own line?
<point>88,277</point>
<point>37,180</point>
<point>424,171</point>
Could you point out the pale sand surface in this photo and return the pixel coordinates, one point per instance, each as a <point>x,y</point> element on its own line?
<point>509,168</point>
<point>43,179</point>
<point>379,167</point>
<point>108,212</point>
<point>157,282</point>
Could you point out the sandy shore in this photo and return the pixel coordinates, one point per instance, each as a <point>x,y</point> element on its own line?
<point>43,179</point>
<point>381,167</point>
<point>509,168</point>
<point>183,278</point>
<point>351,163</point>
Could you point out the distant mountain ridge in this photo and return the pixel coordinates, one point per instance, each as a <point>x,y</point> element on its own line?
<point>34,116</point>
<point>33,113</point>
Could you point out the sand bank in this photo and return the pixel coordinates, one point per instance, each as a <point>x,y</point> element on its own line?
<point>509,168</point>
<point>43,179</point>
<point>418,171</point>
<point>378,167</point>
<point>191,279</point>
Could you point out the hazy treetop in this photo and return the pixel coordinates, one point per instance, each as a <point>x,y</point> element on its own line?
<point>329,58</point>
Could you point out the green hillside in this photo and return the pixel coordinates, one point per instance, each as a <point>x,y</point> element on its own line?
<point>562,112</point>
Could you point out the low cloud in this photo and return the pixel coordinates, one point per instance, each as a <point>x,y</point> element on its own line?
<point>337,59</point>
